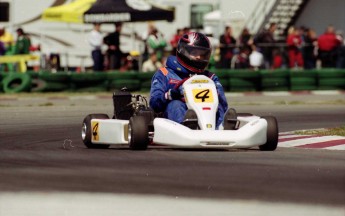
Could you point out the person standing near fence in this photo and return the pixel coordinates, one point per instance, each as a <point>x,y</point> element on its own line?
<point>226,44</point>
<point>2,48</point>
<point>328,44</point>
<point>156,43</point>
<point>114,53</point>
<point>246,39</point>
<point>152,64</point>
<point>95,39</point>
<point>310,43</point>
<point>174,40</point>
<point>7,39</point>
<point>23,42</point>
<point>266,42</point>
<point>294,45</point>
<point>341,51</point>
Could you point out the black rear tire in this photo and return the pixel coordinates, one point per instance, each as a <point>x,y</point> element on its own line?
<point>272,134</point>
<point>138,133</point>
<point>87,131</point>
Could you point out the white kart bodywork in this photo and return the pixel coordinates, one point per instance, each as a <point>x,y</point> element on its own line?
<point>110,131</point>
<point>253,133</point>
<point>201,96</point>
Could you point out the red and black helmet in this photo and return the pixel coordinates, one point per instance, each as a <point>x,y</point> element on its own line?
<point>194,51</point>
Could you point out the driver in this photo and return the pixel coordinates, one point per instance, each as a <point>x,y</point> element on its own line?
<point>192,57</point>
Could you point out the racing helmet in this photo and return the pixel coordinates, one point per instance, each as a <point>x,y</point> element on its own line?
<point>194,51</point>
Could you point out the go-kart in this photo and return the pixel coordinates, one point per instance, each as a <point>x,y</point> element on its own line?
<point>135,124</point>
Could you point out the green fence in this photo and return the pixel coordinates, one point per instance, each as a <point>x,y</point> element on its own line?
<point>232,80</point>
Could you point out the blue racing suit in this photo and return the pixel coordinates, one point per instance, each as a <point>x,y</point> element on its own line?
<point>167,78</point>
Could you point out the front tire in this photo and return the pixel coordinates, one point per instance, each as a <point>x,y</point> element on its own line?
<point>272,134</point>
<point>138,133</point>
<point>86,131</point>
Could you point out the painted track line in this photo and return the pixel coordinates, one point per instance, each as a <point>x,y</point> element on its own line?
<point>289,139</point>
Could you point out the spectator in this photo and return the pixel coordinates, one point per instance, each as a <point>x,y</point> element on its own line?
<point>226,44</point>
<point>144,37</point>
<point>146,33</point>
<point>95,40</point>
<point>23,42</point>
<point>246,39</point>
<point>173,42</point>
<point>310,43</point>
<point>266,42</point>
<point>256,58</point>
<point>114,53</point>
<point>341,51</point>
<point>2,51</point>
<point>328,44</point>
<point>214,45</point>
<point>7,39</point>
<point>156,43</point>
<point>186,30</point>
<point>2,48</point>
<point>277,61</point>
<point>294,44</point>
<point>152,64</point>
<point>241,60</point>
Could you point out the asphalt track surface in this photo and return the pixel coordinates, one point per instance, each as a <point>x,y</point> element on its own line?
<point>41,151</point>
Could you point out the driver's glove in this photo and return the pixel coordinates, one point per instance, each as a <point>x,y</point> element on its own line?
<point>176,92</point>
<point>173,94</point>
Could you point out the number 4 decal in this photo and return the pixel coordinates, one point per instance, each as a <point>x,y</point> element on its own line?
<point>95,135</point>
<point>203,95</point>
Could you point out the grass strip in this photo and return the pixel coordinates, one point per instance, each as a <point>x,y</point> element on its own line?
<point>338,131</point>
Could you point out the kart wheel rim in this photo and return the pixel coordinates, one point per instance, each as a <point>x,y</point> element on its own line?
<point>129,133</point>
<point>83,131</point>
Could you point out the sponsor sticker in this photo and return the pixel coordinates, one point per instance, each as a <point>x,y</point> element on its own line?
<point>218,143</point>
<point>199,81</point>
<point>95,135</point>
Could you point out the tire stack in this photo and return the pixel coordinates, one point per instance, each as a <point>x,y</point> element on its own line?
<point>303,80</point>
<point>277,80</point>
<point>89,82</point>
<point>231,80</point>
<point>2,77</point>
<point>244,80</point>
<point>331,79</point>
<point>16,82</point>
<point>223,76</point>
<point>118,80</point>
<point>50,82</point>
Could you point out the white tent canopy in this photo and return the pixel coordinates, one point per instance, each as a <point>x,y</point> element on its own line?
<point>213,16</point>
<point>215,22</point>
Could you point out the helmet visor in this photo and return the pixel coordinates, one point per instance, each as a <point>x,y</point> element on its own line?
<point>196,53</point>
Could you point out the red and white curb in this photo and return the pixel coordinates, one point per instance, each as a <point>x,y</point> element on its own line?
<point>290,139</point>
<point>285,93</point>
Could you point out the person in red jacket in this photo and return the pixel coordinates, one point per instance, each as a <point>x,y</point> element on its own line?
<point>294,44</point>
<point>328,44</point>
<point>174,40</point>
